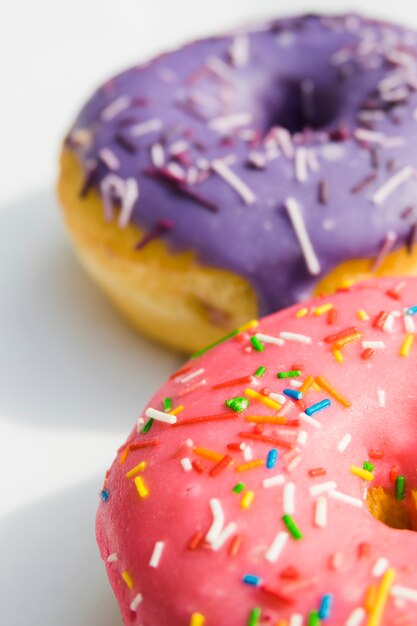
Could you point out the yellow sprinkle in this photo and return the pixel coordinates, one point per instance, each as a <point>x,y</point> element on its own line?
<point>384,588</point>
<point>326,386</point>
<point>316,387</point>
<point>338,356</point>
<point>211,455</point>
<point>135,470</point>
<point>406,347</point>
<point>143,491</point>
<point>197,619</point>
<point>244,467</point>
<point>247,499</point>
<point>370,597</point>
<point>177,410</point>
<point>307,384</point>
<point>301,312</point>
<point>362,473</point>
<point>363,315</point>
<point>264,399</point>
<point>346,283</point>
<point>323,308</point>
<point>128,579</point>
<point>248,326</point>
<point>266,419</point>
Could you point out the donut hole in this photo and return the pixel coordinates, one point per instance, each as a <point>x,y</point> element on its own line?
<point>399,514</point>
<point>300,104</point>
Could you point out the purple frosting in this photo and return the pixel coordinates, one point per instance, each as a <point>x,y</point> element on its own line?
<point>314,108</point>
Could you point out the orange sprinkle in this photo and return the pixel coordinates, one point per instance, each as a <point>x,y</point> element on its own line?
<point>235,545</point>
<point>124,455</point>
<point>211,455</point>
<point>406,347</point>
<point>221,465</point>
<point>307,384</point>
<point>340,335</point>
<point>332,316</point>
<point>341,343</point>
<point>370,597</point>
<point>244,467</point>
<point>367,353</point>
<point>128,580</point>
<point>326,386</point>
<point>266,419</point>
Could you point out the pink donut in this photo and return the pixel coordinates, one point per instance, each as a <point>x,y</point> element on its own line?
<point>273,479</point>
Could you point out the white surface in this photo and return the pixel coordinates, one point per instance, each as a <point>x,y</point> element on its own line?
<point>73,376</point>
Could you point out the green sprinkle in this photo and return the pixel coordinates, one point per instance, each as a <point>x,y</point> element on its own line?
<point>238,403</point>
<point>368,466</point>
<point>167,404</point>
<point>400,487</point>
<point>254,617</point>
<point>260,371</point>
<point>233,333</point>
<point>314,619</point>
<point>238,488</point>
<point>258,345</point>
<point>292,527</point>
<point>147,426</point>
<point>290,374</point>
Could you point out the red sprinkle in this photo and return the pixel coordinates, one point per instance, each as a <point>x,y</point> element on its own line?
<point>317,471</point>
<point>236,381</point>
<point>379,321</point>
<point>198,466</point>
<point>364,550</point>
<point>393,473</point>
<point>221,465</point>
<point>205,418</point>
<point>278,595</point>
<point>268,439</point>
<point>332,316</point>
<point>238,447</point>
<point>265,391</point>
<point>367,353</point>
<point>195,540</point>
<point>184,370</point>
<point>290,572</point>
<point>259,429</point>
<point>341,335</point>
<point>235,545</point>
<point>373,453</point>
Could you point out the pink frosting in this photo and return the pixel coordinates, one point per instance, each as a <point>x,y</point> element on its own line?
<point>345,557</point>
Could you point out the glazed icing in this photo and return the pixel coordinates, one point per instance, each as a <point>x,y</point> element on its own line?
<point>205,145</point>
<point>170,497</point>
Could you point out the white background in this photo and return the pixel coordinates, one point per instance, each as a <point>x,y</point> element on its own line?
<point>73,376</point>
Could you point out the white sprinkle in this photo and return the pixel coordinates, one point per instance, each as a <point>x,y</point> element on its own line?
<point>130,195</point>
<point>344,442</point>
<point>270,339</point>
<point>219,68</point>
<point>370,136</point>
<point>278,397</point>
<point>312,160</point>
<point>188,377</point>
<point>381,397</point>
<point>302,437</point>
<point>287,408</point>
<point>247,453</point>
<point>374,345</point>
<point>239,50</point>
<point>288,500</point>
<point>380,567</point>
<point>143,128</point>
<point>109,158</point>
<point>409,324</point>
<point>112,558</point>
<point>186,464</point>
<point>296,383</point>
<point>135,602</point>
<point>293,463</point>
<point>140,424</point>
<point>276,547</point>
<point>176,170</point>
<point>157,155</point>
<point>111,187</point>
<point>300,230</point>
<point>233,180</point>
<point>160,416</point>
<point>156,554</point>
<point>320,488</point>
<point>320,512</point>
<point>227,122</point>
<point>285,142</point>
<point>224,536</point>
<point>179,147</point>
<point>309,420</point>
<point>296,620</point>
<point>388,325</point>
<point>295,337</point>
<point>218,520</point>
<point>404,592</point>
<point>257,160</point>
<point>301,165</point>
<point>344,497</point>
<point>114,108</point>
<point>273,481</point>
<point>392,183</point>
<point>356,617</point>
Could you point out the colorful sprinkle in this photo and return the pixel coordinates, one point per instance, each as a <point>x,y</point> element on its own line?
<point>293,529</point>
<point>319,406</point>
<point>141,487</point>
<point>400,487</point>
<point>237,404</point>
<point>257,344</point>
<point>272,458</point>
<point>247,499</point>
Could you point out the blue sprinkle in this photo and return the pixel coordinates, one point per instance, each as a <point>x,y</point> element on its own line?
<point>251,579</point>
<point>104,495</point>
<point>294,393</point>
<point>326,606</point>
<point>272,458</point>
<point>412,310</point>
<point>314,408</point>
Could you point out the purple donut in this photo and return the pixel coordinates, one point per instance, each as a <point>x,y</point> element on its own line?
<point>277,152</point>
